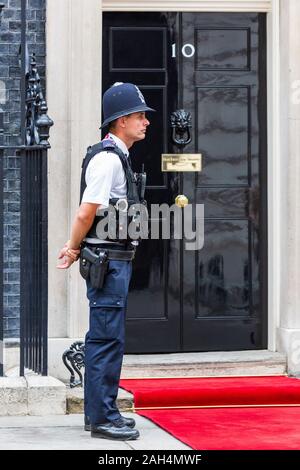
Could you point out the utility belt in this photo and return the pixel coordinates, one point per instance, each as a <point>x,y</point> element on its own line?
<point>123,220</point>
<point>94,261</point>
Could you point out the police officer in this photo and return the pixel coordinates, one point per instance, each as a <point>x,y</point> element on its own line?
<point>105,178</point>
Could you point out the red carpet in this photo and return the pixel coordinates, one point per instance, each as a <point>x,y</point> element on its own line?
<point>223,413</point>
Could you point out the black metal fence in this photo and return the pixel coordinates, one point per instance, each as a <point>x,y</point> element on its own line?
<point>34,260</point>
<point>35,125</point>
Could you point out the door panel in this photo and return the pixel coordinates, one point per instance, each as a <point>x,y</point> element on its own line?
<point>223,306</point>
<point>213,66</point>
<point>222,116</point>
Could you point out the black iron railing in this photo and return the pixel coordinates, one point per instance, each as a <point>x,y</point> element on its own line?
<point>33,257</point>
<point>34,261</point>
<point>35,125</point>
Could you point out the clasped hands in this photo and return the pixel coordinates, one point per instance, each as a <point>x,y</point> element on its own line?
<point>69,255</point>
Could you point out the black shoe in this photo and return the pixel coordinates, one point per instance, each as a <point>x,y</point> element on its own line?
<point>113,431</point>
<point>129,422</point>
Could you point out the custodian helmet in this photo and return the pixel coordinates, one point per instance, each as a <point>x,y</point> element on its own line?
<point>122,99</point>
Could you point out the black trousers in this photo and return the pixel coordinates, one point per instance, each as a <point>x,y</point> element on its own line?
<point>104,343</point>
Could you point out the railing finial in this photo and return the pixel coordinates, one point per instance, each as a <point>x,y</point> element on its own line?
<point>1,8</point>
<point>38,122</point>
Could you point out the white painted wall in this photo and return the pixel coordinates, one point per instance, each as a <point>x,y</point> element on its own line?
<point>74,31</point>
<point>289,329</point>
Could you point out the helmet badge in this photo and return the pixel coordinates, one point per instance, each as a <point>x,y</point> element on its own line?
<point>140,95</point>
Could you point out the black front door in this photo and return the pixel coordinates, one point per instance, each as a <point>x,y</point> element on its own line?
<point>213,66</point>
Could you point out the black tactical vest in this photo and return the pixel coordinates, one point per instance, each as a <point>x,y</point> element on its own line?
<point>136,182</point>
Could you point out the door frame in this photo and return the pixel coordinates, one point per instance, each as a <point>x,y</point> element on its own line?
<point>255,6</point>
<point>271,8</point>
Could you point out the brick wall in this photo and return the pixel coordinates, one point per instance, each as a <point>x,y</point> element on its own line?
<point>10,39</point>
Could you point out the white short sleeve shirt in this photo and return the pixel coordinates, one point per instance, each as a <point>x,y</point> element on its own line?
<point>105,177</point>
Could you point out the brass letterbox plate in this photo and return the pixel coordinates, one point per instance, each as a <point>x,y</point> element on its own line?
<point>181,162</point>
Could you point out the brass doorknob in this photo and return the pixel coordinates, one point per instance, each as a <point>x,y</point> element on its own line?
<point>181,200</point>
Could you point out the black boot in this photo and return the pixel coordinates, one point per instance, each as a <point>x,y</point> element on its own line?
<point>130,422</point>
<point>114,431</point>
